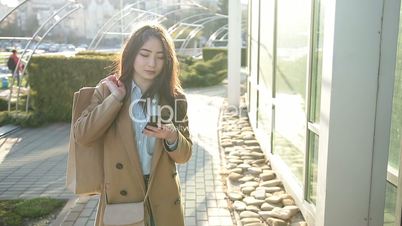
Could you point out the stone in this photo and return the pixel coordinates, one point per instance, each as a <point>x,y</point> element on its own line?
<point>233,157</point>
<point>226,144</point>
<point>280,213</point>
<point>276,222</point>
<point>254,148</point>
<point>253,208</point>
<point>246,178</point>
<point>259,194</point>
<point>247,190</point>
<point>237,170</point>
<point>279,193</point>
<point>248,214</point>
<point>293,209</point>
<point>235,196</point>
<point>273,199</point>
<point>271,183</point>
<point>259,161</point>
<point>248,137</point>
<point>249,184</point>
<point>244,166</point>
<point>238,142</point>
<point>239,205</point>
<point>254,170</point>
<point>301,223</point>
<point>255,224</point>
<point>234,176</point>
<point>252,201</point>
<point>235,161</point>
<point>249,158</point>
<point>288,202</point>
<point>231,166</point>
<point>250,220</point>
<point>272,189</point>
<point>267,207</point>
<point>266,176</point>
<point>251,142</point>
<point>257,155</point>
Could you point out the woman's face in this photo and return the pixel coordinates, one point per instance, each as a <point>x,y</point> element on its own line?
<point>148,63</point>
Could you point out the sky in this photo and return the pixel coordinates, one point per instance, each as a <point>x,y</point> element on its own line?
<point>9,3</point>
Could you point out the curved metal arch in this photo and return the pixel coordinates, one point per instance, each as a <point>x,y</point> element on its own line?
<point>11,11</point>
<point>193,33</point>
<point>110,23</point>
<point>193,24</point>
<point>176,26</point>
<point>25,57</point>
<point>215,35</point>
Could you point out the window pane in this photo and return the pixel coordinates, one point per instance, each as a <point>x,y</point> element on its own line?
<point>312,168</point>
<point>390,205</point>
<point>396,123</point>
<point>290,81</point>
<point>266,71</point>
<point>317,61</point>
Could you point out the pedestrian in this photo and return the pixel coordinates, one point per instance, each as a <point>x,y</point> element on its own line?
<point>141,158</point>
<point>12,65</point>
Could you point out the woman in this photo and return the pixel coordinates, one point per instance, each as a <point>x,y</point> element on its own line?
<point>138,156</point>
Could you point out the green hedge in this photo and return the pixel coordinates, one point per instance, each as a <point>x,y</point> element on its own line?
<point>204,73</point>
<point>209,53</point>
<point>95,53</point>
<point>54,79</point>
<point>30,119</point>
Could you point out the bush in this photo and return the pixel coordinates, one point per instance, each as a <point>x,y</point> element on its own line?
<point>96,53</point>
<point>205,73</point>
<point>30,119</point>
<point>209,53</point>
<point>54,79</point>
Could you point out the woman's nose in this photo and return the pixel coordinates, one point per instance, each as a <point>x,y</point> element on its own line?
<point>152,62</point>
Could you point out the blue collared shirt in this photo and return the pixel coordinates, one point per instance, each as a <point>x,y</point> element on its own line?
<point>145,144</point>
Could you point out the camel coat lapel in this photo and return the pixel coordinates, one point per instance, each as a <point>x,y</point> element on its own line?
<point>126,132</point>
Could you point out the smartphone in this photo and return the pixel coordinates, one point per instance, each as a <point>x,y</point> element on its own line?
<point>153,121</point>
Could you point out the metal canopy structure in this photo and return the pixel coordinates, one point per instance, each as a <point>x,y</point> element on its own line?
<point>189,27</point>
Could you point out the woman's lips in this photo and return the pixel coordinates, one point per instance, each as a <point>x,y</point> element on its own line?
<point>150,72</point>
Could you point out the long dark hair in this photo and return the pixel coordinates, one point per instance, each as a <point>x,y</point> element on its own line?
<point>167,83</point>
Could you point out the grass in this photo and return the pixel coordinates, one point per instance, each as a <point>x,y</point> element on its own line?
<point>26,212</point>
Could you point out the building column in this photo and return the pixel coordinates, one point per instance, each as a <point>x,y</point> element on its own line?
<point>352,156</point>
<point>234,52</point>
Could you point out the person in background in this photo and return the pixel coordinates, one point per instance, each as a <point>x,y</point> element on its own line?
<point>12,65</point>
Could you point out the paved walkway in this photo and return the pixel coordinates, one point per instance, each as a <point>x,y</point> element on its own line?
<point>33,163</point>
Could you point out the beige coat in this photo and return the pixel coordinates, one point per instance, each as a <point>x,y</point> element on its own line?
<point>109,120</point>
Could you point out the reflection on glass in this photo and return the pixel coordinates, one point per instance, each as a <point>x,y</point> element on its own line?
<point>390,205</point>
<point>312,168</point>
<point>396,124</point>
<point>292,50</point>
<point>266,69</point>
<point>316,76</point>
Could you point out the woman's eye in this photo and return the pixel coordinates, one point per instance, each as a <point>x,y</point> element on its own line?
<point>144,55</point>
<point>161,58</point>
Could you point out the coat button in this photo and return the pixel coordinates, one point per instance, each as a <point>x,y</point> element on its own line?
<point>123,192</point>
<point>177,201</point>
<point>174,174</point>
<point>119,166</point>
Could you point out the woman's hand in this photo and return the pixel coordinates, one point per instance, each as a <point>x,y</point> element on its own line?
<point>115,86</point>
<point>163,131</point>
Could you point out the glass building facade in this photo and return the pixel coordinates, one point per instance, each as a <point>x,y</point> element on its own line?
<point>326,108</point>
